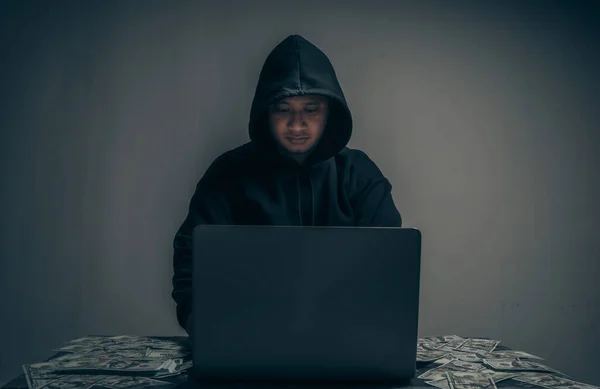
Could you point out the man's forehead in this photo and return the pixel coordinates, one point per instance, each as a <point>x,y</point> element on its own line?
<point>303,99</point>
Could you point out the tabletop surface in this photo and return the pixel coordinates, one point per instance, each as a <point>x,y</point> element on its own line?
<point>181,381</point>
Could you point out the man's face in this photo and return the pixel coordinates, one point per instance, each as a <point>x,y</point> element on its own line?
<point>297,123</point>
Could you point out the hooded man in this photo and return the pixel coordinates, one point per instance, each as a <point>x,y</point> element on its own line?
<point>295,171</point>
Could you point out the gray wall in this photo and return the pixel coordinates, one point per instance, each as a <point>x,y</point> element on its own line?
<point>484,118</point>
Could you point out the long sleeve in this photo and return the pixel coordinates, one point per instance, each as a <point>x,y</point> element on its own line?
<point>207,206</point>
<point>371,199</point>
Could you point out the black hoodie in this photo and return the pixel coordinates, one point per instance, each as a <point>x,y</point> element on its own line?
<point>255,185</point>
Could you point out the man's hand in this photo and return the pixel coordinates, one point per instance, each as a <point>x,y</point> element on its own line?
<point>188,325</point>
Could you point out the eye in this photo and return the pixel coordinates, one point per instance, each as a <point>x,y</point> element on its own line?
<point>311,109</point>
<point>279,108</point>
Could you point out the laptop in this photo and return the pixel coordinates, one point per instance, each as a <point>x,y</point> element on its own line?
<point>297,304</point>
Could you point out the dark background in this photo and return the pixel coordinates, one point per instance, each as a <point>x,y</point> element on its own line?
<point>483,115</point>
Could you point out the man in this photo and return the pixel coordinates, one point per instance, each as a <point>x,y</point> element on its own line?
<point>296,170</point>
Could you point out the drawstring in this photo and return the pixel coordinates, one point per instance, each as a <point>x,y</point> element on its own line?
<point>312,199</point>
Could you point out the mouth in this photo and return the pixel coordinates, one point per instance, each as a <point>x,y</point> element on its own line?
<point>297,140</point>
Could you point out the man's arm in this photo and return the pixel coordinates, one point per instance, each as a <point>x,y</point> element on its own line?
<point>371,199</point>
<point>207,206</point>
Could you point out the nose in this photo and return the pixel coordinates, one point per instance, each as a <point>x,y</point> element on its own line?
<point>296,122</point>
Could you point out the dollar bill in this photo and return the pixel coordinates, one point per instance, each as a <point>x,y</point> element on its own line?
<point>466,366</point>
<point>41,379</point>
<point>509,364</point>
<point>81,348</point>
<point>439,372</point>
<point>122,343</point>
<point>440,343</point>
<point>127,354</point>
<point>125,382</point>
<point>86,339</point>
<point>531,374</point>
<point>181,368</point>
<point>36,377</point>
<point>441,339</point>
<point>428,346</point>
<point>85,344</point>
<point>106,354</point>
<point>552,382</point>
<point>430,356</point>
<point>41,368</point>
<point>72,362</point>
<point>156,344</point>
<point>465,357</point>
<point>125,339</point>
<point>468,357</point>
<point>474,345</point>
<point>165,353</point>
<point>422,346</point>
<point>447,359</point>
<point>80,381</point>
<point>149,342</point>
<point>170,345</point>
<point>499,376</point>
<point>512,354</point>
<point>441,384</point>
<point>470,380</point>
<point>70,382</point>
<point>101,365</point>
<point>452,345</point>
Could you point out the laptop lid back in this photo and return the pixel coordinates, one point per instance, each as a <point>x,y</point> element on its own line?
<point>305,303</point>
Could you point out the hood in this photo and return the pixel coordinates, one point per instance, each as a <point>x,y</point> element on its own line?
<point>296,67</point>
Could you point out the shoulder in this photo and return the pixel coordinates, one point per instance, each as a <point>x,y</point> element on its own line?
<point>359,164</point>
<point>235,159</point>
<point>228,167</point>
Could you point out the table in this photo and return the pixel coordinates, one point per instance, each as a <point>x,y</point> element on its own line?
<point>182,381</point>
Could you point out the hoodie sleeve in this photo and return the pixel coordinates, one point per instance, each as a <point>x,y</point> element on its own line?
<point>207,206</point>
<point>371,198</point>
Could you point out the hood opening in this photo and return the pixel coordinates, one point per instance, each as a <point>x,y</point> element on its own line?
<point>296,67</point>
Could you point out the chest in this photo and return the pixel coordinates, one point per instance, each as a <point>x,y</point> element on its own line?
<point>309,198</point>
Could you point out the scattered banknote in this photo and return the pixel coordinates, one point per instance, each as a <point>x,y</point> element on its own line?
<point>181,368</point>
<point>428,346</point>
<point>420,347</point>
<point>447,359</point>
<point>440,343</point>
<point>441,339</point>
<point>470,380</point>
<point>426,351</point>
<point>81,348</point>
<point>62,382</point>
<point>439,373</point>
<point>473,345</point>
<point>474,363</point>
<point>499,376</point>
<point>100,365</point>
<point>80,381</point>
<point>116,362</point>
<point>513,354</point>
<point>121,343</point>
<point>452,345</point>
<point>125,382</point>
<point>510,364</point>
<point>465,380</point>
<point>441,383</point>
<point>164,353</point>
<point>430,355</point>
<point>468,357</point>
<point>551,381</point>
<point>107,353</point>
